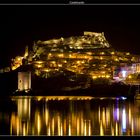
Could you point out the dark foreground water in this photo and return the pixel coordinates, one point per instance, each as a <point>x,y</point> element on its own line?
<point>69,116</point>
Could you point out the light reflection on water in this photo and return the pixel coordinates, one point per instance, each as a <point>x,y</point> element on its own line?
<point>39,116</point>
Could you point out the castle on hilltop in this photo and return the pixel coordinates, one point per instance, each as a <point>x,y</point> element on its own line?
<point>89,54</point>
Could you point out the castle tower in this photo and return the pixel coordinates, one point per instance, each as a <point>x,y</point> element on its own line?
<point>24,81</point>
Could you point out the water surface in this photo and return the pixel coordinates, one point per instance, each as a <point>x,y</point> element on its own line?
<point>69,116</point>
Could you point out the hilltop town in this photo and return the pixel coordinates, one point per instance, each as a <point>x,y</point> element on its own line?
<point>89,54</point>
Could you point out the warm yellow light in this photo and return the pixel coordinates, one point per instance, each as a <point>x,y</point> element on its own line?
<point>94,77</point>
<point>46,70</point>
<point>128,53</point>
<point>129,76</point>
<point>107,76</point>
<point>50,54</point>
<point>61,55</point>
<point>59,65</point>
<point>79,47</point>
<point>46,116</point>
<point>89,53</point>
<point>112,52</point>
<point>39,66</point>
<point>38,123</point>
<point>24,130</point>
<point>39,98</point>
<point>53,62</point>
<point>101,58</point>
<point>102,53</point>
<point>19,59</point>
<point>69,129</point>
<point>101,129</point>
<point>39,62</point>
<point>78,62</point>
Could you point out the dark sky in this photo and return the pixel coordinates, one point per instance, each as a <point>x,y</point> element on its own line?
<point>20,25</point>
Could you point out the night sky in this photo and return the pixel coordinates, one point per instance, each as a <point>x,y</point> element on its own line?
<point>20,25</point>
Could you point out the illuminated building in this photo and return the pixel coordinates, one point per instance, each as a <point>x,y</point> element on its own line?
<point>24,81</point>
<point>88,54</point>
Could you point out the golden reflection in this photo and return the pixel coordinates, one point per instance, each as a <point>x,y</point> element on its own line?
<point>103,117</point>
<point>49,130</point>
<point>101,129</point>
<point>15,124</point>
<point>59,131</point>
<point>18,127</point>
<point>20,120</point>
<point>82,126</point>
<point>132,127</point>
<point>46,116</point>
<point>112,130</point>
<point>130,117</point>
<point>85,127</point>
<point>52,126</point>
<point>116,132</point>
<point>107,116</point>
<point>24,108</point>
<point>99,114</point>
<point>24,130</point>
<point>89,128</point>
<point>69,128</point>
<point>74,119</point>
<point>78,126</point>
<point>38,122</point>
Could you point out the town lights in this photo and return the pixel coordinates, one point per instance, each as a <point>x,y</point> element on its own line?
<point>46,70</point>
<point>101,58</point>
<point>107,76</point>
<point>103,72</point>
<point>60,55</point>
<point>39,66</point>
<point>129,76</point>
<point>87,54</point>
<point>19,59</point>
<point>100,76</point>
<point>39,62</point>
<point>127,53</point>
<point>78,62</point>
<point>94,77</point>
<point>123,73</point>
<point>116,59</point>
<point>102,53</point>
<point>59,65</point>
<point>50,54</point>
